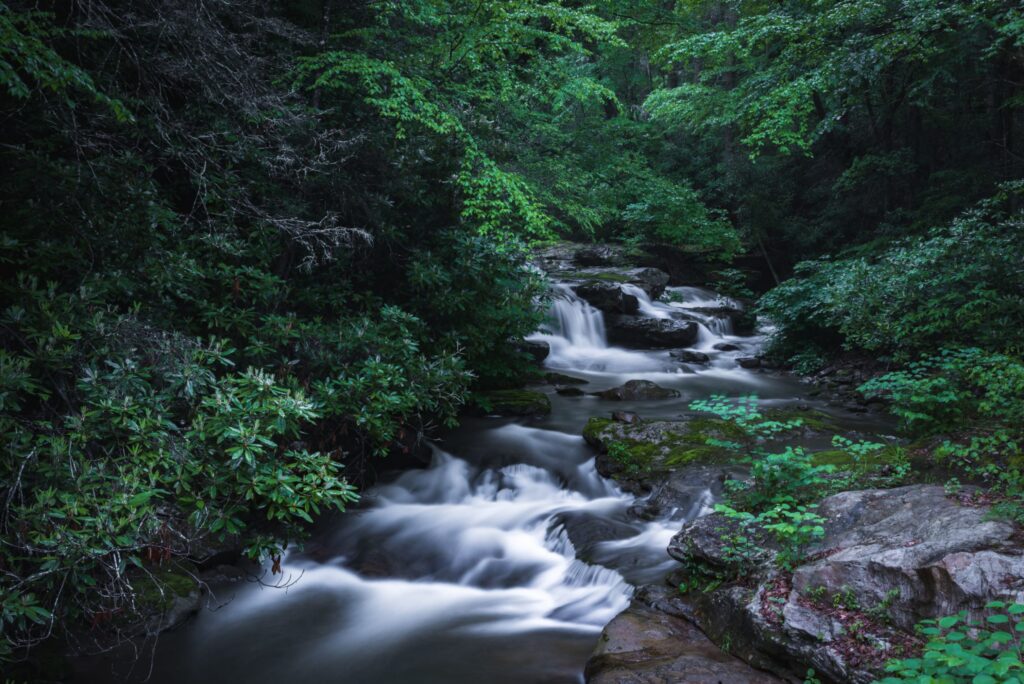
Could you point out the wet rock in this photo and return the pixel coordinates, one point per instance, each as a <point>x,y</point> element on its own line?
<point>597,255</point>
<point>911,550</point>
<point>563,379</point>
<point>647,645</point>
<point>535,348</point>
<point>642,332</point>
<point>688,492</point>
<point>514,403</point>
<point>608,297</point>
<point>625,417</point>
<point>749,362</point>
<point>651,280</point>
<point>570,391</point>
<point>638,390</point>
<point>726,347</point>
<point>688,356</point>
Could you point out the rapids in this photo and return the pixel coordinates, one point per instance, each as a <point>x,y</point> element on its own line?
<point>466,572</point>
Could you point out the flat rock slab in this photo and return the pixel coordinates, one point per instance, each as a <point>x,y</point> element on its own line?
<point>644,645</point>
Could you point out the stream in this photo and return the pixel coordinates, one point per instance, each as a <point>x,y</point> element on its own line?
<point>464,572</point>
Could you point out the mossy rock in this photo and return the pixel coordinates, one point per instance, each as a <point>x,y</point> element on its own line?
<point>662,445</point>
<point>514,403</point>
<point>159,590</point>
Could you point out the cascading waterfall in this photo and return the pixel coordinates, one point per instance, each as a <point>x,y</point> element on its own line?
<point>471,570</point>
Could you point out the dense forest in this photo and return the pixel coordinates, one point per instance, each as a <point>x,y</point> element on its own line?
<point>255,252</point>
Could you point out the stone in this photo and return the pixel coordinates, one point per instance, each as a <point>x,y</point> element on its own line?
<point>638,390</point>
<point>537,349</point>
<point>625,417</point>
<point>637,331</point>
<point>514,403</point>
<point>607,297</point>
<point>726,347</point>
<point>688,356</point>
<point>646,645</point>
<point>749,362</point>
<point>911,550</point>
<point>569,391</point>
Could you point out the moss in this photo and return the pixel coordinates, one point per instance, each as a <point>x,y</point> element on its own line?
<point>157,591</point>
<point>601,276</point>
<point>514,402</point>
<point>592,431</point>
<point>818,421</point>
<point>662,445</point>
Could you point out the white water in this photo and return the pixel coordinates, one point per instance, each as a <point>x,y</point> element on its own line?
<point>467,572</point>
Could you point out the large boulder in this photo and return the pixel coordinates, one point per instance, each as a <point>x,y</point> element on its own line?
<point>608,297</point>
<point>647,644</point>
<point>660,333</point>
<point>638,390</point>
<point>653,281</point>
<point>888,559</point>
<point>538,349</point>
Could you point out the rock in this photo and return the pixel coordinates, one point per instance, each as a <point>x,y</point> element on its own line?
<point>597,255</point>
<point>749,362</point>
<point>645,645</point>
<point>608,297</point>
<point>651,280</point>
<point>638,390</point>
<point>535,348</point>
<point>911,552</point>
<point>563,379</point>
<point>688,356</point>
<point>514,403</point>
<point>571,391</point>
<point>726,347</point>
<point>687,492</point>
<point>625,417</point>
<point>637,331</point>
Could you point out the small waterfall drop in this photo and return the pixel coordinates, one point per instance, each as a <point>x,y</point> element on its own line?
<point>580,323</point>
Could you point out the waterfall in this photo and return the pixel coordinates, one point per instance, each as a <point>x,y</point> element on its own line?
<point>579,323</point>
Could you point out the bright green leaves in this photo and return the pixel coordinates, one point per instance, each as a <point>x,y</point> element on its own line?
<point>963,649</point>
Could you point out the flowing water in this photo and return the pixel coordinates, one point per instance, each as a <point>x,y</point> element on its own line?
<point>465,572</point>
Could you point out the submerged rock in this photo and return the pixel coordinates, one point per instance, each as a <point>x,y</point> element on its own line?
<point>749,362</point>
<point>569,391</point>
<point>645,644</point>
<point>726,347</point>
<point>514,403</point>
<point>637,331</point>
<point>688,356</point>
<point>638,390</point>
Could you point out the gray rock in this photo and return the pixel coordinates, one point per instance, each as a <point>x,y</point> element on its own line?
<point>627,417</point>
<point>638,390</point>
<point>535,348</point>
<point>912,549</point>
<point>646,645</point>
<point>607,297</point>
<point>563,379</point>
<point>570,391</point>
<point>749,362</point>
<point>726,347</point>
<point>637,331</point>
<point>688,356</point>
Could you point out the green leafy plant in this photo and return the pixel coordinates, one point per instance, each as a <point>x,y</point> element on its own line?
<point>962,649</point>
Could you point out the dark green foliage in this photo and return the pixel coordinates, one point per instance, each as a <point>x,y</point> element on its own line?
<point>959,285</point>
<point>217,302</point>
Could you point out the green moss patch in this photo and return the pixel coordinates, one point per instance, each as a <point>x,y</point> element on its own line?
<point>514,402</point>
